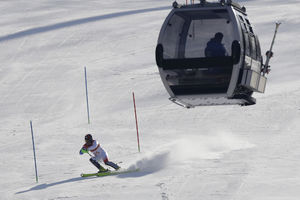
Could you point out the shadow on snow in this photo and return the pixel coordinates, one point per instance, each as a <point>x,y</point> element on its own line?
<point>45,185</point>
<point>76,22</point>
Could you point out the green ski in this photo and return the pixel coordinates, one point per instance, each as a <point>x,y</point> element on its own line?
<point>110,173</point>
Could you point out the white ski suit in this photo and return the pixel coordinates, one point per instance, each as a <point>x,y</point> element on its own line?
<point>99,153</point>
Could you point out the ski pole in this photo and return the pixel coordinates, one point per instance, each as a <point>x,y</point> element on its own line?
<point>87,98</point>
<point>33,146</point>
<point>136,123</point>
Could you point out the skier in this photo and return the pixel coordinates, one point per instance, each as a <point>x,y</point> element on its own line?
<point>98,152</point>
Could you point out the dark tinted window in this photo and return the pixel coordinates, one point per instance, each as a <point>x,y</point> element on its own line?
<point>258,51</point>
<point>250,29</point>
<point>188,32</point>
<point>241,18</point>
<point>252,46</point>
<point>247,44</point>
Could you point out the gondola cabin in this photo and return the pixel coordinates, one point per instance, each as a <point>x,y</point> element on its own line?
<point>208,54</point>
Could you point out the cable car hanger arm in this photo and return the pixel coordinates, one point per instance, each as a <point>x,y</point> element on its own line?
<point>269,53</point>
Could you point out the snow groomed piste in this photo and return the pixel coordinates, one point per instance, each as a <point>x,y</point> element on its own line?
<point>213,152</point>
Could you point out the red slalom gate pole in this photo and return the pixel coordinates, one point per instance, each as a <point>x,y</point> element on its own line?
<point>136,122</point>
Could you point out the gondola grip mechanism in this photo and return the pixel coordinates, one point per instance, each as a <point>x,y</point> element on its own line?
<point>269,53</point>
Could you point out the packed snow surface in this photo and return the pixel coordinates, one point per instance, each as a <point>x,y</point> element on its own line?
<point>209,153</point>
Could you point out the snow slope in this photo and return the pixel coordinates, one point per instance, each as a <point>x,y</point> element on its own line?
<point>223,152</point>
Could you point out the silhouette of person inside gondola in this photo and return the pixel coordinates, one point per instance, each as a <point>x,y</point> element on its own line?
<point>214,47</point>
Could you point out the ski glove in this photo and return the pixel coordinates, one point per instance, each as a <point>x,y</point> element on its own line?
<point>82,151</point>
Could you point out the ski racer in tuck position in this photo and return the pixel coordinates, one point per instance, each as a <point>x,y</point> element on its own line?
<point>98,152</point>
